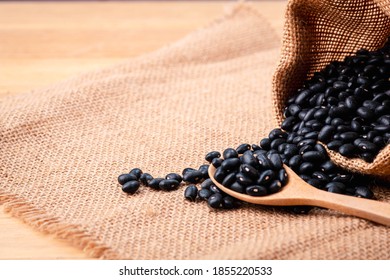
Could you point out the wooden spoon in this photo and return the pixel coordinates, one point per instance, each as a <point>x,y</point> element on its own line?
<point>298,192</point>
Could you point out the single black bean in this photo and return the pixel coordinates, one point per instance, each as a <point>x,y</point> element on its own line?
<point>256,190</point>
<point>242,148</point>
<point>366,146</point>
<point>188,169</point>
<point>220,174</point>
<point>305,149</point>
<point>249,158</point>
<point>230,164</point>
<point>291,150</point>
<point>243,179</point>
<point>265,177</point>
<point>215,200</point>
<point>326,133</point>
<point>191,192</point>
<point>334,145</point>
<point>274,186</point>
<point>168,184</point>
<point>313,156</point>
<point>206,184</point>
<point>294,109</point>
<point>212,155</point>
<point>321,176</point>
<point>282,176</point>
<point>343,178</point>
<point>315,183</point>
<point>216,162</point>
<point>365,113</point>
<point>347,150</point>
<point>130,187</point>
<point>335,186</point>
<point>255,147</point>
<point>174,176</point>
<point>265,143</point>
<point>124,178</point>
<point>154,183</point>
<point>249,171</point>
<point>229,180</point>
<point>276,161</point>
<point>204,194</point>
<point>275,143</point>
<point>237,187</point>
<point>295,162</point>
<point>230,153</point>
<point>328,167</point>
<point>363,191</point>
<point>277,133</point>
<point>215,189</point>
<point>137,172</point>
<point>306,168</point>
<point>229,202</point>
<point>204,169</point>
<point>264,162</point>
<point>305,142</point>
<point>288,123</point>
<point>193,177</point>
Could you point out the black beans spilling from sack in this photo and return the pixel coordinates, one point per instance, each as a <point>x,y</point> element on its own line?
<point>345,106</point>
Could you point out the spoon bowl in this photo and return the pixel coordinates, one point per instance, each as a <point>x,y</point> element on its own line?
<point>298,192</point>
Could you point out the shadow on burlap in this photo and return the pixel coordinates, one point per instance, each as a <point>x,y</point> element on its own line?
<point>64,146</point>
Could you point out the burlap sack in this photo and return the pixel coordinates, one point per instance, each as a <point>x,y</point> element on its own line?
<point>318,32</point>
<point>63,147</point>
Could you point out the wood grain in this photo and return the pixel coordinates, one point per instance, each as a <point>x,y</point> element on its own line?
<point>44,42</point>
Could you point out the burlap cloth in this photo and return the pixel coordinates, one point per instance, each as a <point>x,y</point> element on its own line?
<point>63,147</point>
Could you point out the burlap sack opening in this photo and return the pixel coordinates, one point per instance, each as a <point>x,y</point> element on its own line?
<point>318,32</point>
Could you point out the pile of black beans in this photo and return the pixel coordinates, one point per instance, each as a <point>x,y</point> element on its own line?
<point>346,106</point>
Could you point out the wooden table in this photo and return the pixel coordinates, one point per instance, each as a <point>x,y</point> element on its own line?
<point>45,42</point>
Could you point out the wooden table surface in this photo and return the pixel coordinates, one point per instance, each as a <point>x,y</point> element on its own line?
<point>45,42</point>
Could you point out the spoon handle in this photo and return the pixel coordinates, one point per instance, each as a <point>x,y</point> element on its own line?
<point>372,210</point>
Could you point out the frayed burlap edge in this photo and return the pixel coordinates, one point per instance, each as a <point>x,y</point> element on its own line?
<point>38,219</point>
<point>298,62</point>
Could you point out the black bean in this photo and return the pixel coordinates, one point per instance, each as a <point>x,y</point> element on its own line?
<point>229,202</point>
<point>216,162</point>
<point>130,187</point>
<point>348,136</point>
<point>347,150</point>
<point>215,189</point>
<point>249,158</point>
<point>136,172</point>
<point>306,168</point>
<point>204,169</point>
<point>145,178</point>
<point>255,147</point>
<point>229,180</point>
<point>305,149</point>
<point>204,194</point>
<point>191,192</point>
<point>265,177</point>
<point>321,176</point>
<point>206,184</point>
<point>343,178</point>
<point>351,103</point>
<point>193,177</point>
<point>256,190</point>
<point>305,142</point>
<point>219,174</point>
<point>277,133</point>
<point>312,135</point>
<point>290,150</point>
<point>274,186</point>
<point>294,109</point>
<point>264,162</point>
<point>335,187</point>
<point>315,183</point>
<point>313,156</point>
<point>276,161</point>
<point>365,113</point>
<point>382,128</point>
<point>328,167</point>
<point>363,191</point>
<point>249,171</point>
<point>265,143</point>
<point>154,183</point>
<point>288,123</point>
<point>212,155</point>
<point>185,170</point>
<point>230,153</point>
<point>366,146</point>
<point>282,176</point>
<point>334,145</point>
<point>237,187</point>
<point>230,164</point>
<point>124,178</point>
<point>242,148</point>
<point>243,179</point>
<point>295,162</point>
<point>215,200</point>
<point>369,157</point>
<point>174,176</point>
<point>275,143</point>
<point>168,184</point>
